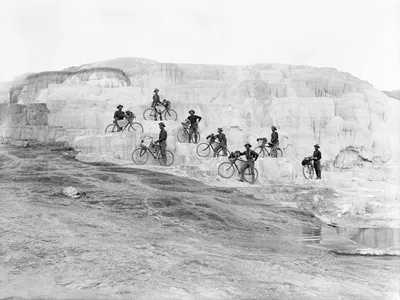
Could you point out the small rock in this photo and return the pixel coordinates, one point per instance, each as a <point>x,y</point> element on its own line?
<point>72,192</point>
<point>339,216</point>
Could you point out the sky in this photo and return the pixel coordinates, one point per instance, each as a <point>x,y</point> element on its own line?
<point>361,37</point>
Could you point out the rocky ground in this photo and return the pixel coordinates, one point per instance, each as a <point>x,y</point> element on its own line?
<point>140,234</point>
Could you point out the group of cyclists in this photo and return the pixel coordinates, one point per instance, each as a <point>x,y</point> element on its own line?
<point>192,121</point>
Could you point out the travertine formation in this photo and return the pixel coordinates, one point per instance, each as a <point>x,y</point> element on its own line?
<point>348,117</point>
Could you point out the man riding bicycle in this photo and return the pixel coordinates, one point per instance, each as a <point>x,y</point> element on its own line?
<point>251,157</point>
<point>119,116</point>
<point>194,125</point>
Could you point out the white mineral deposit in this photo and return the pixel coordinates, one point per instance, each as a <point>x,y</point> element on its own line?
<point>84,217</point>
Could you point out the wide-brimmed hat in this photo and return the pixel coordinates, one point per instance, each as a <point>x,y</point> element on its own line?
<point>156,90</point>
<point>274,128</point>
<point>219,128</point>
<point>162,124</point>
<point>316,146</point>
<point>120,106</point>
<point>191,111</point>
<point>247,144</point>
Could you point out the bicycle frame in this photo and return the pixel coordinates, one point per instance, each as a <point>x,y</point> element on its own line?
<point>234,163</point>
<point>160,113</point>
<point>130,122</point>
<point>158,153</point>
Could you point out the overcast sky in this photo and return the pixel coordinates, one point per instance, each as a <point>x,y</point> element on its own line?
<point>357,36</point>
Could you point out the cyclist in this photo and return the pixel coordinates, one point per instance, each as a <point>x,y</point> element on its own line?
<point>316,157</point>
<point>162,140</point>
<point>274,142</point>
<point>156,102</point>
<point>222,142</point>
<point>251,157</point>
<point>119,116</point>
<point>194,125</point>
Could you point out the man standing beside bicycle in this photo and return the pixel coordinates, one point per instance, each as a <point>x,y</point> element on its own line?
<point>274,142</point>
<point>119,116</point>
<point>251,157</point>
<point>223,143</point>
<point>156,102</point>
<point>317,161</point>
<point>194,125</point>
<point>162,141</point>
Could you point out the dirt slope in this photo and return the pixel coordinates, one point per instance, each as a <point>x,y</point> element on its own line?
<point>147,235</point>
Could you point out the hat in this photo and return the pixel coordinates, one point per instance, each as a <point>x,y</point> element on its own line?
<point>162,124</point>
<point>247,144</point>
<point>316,146</point>
<point>192,111</point>
<point>156,90</point>
<point>273,127</point>
<point>219,128</point>
<point>120,106</point>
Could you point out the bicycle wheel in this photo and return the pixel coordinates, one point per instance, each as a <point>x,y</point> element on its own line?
<point>149,114</point>
<point>193,138</point>
<point>203,149</point>
<point>226,170</point>
<point>182,136</point>
<point>140,156</point>
<point>136,127</point>
<point>170,158</point>
<point>171,115</point>
<point>248,177</point>
<point>111,128</point>
<point>308,172</point>
<point>260,151</point>
<point>221,153</point>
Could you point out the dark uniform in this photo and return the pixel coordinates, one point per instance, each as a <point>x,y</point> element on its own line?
<point>156,101</point>
<point>162,140</point>
<point>194,127</point>
<point>317,162</point>
<point>222,143</point>
<point>251,157</point>
<point>274,143</point>
<point>119,115</point>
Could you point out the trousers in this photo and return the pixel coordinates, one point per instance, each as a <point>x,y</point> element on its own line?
<point>317,167</point>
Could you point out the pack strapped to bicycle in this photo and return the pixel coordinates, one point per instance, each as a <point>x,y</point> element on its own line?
<point>234,156</point>
<point>211,138</point>
<point>146,142</point>
<point>261,142</point>
<point>306,161</point>
<point>130,116</point>
<point>186,124</point>
<point>167,104</point>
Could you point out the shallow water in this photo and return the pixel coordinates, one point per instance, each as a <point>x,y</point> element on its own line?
<point>367,241</point>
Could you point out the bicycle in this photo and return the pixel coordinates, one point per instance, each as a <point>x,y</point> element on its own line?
<point>183,134</point>
<point>308,167</point>
<point>203,149</point>
<point>262,149</point>
<point>135,126</point>
<point>227,170</point>
<point>141,154</point>
<point>168,113</point>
